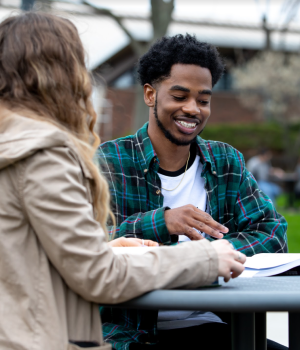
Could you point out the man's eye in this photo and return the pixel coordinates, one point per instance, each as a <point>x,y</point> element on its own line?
<point>178,98</point>
<point>204,102</point>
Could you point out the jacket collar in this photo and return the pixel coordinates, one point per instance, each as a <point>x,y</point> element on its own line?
<point>146,153</point>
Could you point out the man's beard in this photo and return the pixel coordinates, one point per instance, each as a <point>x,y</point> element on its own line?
<point>167,133</point>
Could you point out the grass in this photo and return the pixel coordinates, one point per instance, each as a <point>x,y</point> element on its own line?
<point>292,217</point>
<point>293,232</point>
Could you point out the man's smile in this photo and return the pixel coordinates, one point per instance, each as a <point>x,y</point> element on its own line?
<point>187,126</point>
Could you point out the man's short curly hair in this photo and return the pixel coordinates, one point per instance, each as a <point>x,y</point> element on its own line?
<point>155,65</point>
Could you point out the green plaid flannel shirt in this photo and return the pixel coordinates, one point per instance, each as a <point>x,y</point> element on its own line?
<point>130,165</point>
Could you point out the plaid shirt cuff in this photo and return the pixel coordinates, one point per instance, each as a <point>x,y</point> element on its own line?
<point>154,226</point>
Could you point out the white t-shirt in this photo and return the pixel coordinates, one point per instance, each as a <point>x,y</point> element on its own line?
<point>190,191</point>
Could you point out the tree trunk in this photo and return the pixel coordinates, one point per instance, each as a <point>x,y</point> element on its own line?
<point>27,5</point>
<point>161,17</point>
<point>41,5</point>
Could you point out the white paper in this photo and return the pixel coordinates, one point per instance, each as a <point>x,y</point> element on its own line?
<point>264,265</point>
<point>248,273</point>
<point>276,270</point>
<point>269,260</point>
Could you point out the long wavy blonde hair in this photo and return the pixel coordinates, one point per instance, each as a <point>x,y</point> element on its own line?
<point>42,69</point>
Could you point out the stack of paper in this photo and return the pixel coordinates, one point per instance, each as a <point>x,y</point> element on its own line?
<point>263,265</point>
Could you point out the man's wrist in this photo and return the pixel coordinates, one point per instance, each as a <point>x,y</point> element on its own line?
<point>154,226</point>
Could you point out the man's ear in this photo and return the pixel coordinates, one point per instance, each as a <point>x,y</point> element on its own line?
<point>149,95</point>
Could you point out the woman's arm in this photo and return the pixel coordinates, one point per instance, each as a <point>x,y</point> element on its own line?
<point>56,203</point>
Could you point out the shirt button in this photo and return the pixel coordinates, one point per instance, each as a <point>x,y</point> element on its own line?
<point>145,170</point>
<point>214,172</point>
<point>158,192</point>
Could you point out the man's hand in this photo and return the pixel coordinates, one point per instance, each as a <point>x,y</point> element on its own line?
<point>183,220</point>
<point>230,261</point>
<point>132,242</point>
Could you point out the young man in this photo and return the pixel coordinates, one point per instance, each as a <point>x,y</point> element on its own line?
<point>168,184</point>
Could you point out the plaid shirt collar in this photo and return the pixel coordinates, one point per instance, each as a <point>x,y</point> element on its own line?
<point>146,153</point>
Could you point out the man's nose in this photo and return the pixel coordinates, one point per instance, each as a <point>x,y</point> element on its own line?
<point>191,107</point>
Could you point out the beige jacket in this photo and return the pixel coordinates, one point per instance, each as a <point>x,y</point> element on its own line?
<point>55,264</point>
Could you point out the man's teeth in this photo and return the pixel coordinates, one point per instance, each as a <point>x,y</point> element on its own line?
<point>187,125</point>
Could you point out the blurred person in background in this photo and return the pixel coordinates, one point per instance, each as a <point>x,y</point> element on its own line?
<point>297,185</point>
<point>261,168</point>
<point>56,263</point>
<point>169,184</point>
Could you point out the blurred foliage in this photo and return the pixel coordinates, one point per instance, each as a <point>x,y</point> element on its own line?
<point>269,84</point>
<point>253,136</point>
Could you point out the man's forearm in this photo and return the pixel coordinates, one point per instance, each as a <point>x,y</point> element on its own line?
<point>271,240</point>
<point>149,225</point>
<point>258,226</point>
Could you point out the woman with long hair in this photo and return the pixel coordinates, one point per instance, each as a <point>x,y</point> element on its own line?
<point>55,262</point>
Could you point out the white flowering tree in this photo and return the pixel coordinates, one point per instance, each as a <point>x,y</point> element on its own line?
<point>269,84</point>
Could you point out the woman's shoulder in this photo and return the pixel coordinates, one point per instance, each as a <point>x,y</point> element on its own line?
<point>23,136</point>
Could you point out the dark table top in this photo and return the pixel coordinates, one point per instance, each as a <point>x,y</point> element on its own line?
<point>238,295</point>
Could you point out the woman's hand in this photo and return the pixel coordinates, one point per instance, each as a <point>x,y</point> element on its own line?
<point>132,242</point>
<point>230,261</point>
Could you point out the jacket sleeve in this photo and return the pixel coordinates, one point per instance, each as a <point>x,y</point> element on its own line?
<point>148,225</point>
<point>56,203</point>
<point>260,229</point>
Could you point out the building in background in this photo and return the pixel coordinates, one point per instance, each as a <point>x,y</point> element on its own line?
<point>110,30</point>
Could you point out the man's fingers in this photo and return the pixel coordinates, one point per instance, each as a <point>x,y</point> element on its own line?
<point>206,219</point>
<point>178,219</point>
<point>192,234</point>
<point>204,228</point>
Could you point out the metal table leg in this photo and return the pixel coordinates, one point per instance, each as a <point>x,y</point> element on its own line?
<point>242,328</point>
<point>260,331</point>
<point>294,331</point>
